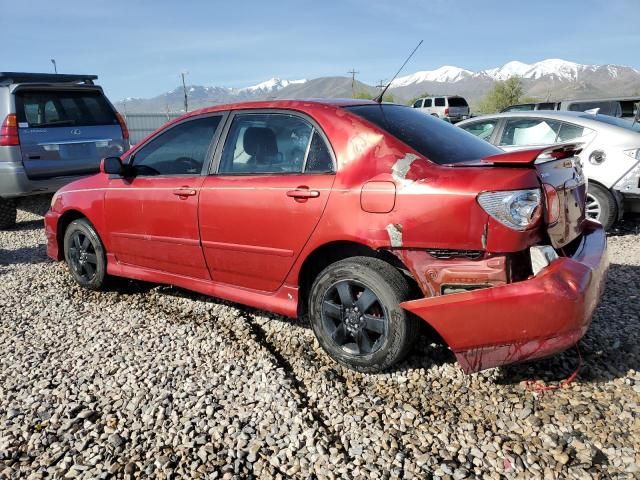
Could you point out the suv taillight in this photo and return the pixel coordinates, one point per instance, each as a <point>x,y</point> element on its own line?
<point>123,126</point>
<point>446,111</point>
<point>9,131</point>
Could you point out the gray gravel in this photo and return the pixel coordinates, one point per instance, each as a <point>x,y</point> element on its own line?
<point>152,381</point>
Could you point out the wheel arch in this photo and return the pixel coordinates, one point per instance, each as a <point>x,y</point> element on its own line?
<point>63,222</point>
<point>331,252</point>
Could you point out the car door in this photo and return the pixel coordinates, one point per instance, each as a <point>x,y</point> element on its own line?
<point>273,178</point>
<point>520,133</point>
<point>152,213</point>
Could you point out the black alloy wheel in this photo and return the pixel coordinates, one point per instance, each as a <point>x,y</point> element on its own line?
<point>84,253</point>
<point>353,317</point>
<point>355,313</point>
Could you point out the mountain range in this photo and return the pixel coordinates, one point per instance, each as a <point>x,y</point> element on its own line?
<point>551,79</point>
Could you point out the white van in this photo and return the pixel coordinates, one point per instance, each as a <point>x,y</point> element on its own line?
<point>450,107</point>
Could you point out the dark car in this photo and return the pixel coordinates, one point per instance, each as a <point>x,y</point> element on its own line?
<point>55,128</point>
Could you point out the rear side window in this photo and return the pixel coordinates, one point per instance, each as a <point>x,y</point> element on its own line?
<point>273,143</point>
<point>64,108</point>
<point>427,102</point>
<point>547,106</point>
<point>569,131</point>
<point>180,150</point>
<point>612,108</point>
<point>457,102</point>
<point>437,140</point>
<point>520,108</point>
<point>439,102</point>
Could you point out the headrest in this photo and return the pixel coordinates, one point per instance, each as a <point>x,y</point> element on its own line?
<point>260,141</point>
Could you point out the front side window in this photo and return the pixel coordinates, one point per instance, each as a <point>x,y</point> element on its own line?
<point>181,150</point>
<point>273,143</point>
<point>482,129</point>
<point>418,104</point>
<point>439,102</point>
<point>530,131</point>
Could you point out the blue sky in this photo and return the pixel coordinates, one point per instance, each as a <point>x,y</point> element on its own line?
<point>138,48</point>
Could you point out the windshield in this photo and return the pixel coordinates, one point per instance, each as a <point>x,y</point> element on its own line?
<point>436,139</point>
<point>457,102</point>
<point>618,122</point>
<point>48,108</point>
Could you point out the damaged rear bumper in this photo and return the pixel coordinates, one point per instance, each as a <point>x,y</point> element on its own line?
<point>524,320</point>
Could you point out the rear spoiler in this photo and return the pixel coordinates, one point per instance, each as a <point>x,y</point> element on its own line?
<point>535,155</point>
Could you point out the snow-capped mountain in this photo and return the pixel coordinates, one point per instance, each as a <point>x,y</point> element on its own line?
<point>552,68</point>
<point>551,79</point>
<point>445,73</point>
<point>271,85</point>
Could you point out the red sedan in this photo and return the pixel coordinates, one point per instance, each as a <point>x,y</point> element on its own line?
<point>367,217</point>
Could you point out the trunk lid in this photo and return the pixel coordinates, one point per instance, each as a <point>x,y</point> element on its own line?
<point>564,187</point>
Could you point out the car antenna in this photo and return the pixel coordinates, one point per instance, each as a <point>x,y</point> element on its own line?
<point>379,97</point>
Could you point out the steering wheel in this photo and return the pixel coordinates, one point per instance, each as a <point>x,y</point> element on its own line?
<point>188,165</point>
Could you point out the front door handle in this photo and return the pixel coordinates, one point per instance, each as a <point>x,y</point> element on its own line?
<point>303,193</point>
<point>184,192</point>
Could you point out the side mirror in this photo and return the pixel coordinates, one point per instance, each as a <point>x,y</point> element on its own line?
<point>111,165</point>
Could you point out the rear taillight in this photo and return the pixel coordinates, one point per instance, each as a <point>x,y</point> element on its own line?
<point>9,131</point>
<point>553,204</point>
<point>517,209</point>
<point>123,126</point>
<point>446,111</point>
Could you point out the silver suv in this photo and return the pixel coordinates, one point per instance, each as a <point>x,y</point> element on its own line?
<point>448,107</point>
<point>54,128</point>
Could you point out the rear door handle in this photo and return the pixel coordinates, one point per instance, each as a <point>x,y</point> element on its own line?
<point>303,193</point>
<point>184,192</point>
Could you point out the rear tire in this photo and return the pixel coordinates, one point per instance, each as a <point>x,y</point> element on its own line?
<point>84,254</point>
<point>8,213</point>
<point>355,313</point>
<point>601,205</point>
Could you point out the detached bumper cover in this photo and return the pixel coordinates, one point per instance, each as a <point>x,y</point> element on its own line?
<point>525,320</point>
<point>50,230</point>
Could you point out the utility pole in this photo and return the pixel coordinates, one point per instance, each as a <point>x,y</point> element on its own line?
<point>353,73</point>
<point>184,89</point>
<point>55,67</point>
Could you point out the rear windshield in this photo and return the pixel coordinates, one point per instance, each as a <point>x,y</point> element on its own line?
<point>457,102</point>
<point>436,139</point>
<point>64,108</point>
<point>618,122</point>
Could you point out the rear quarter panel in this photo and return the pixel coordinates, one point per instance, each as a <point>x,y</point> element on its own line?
<point>435,206</point>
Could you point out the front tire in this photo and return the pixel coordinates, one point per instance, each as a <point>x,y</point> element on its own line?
<point>601,205</point>
<point>8,213</point>
<point>355,313</point>
<point>84,254</point>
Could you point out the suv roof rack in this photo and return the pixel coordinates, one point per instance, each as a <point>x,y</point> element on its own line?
<point>20,77</point>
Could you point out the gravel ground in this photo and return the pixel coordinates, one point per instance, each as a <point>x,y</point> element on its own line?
<point>152,381</point>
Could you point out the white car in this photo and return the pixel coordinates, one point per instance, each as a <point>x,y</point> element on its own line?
<point>449,107</point>
<point>610,155</point>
